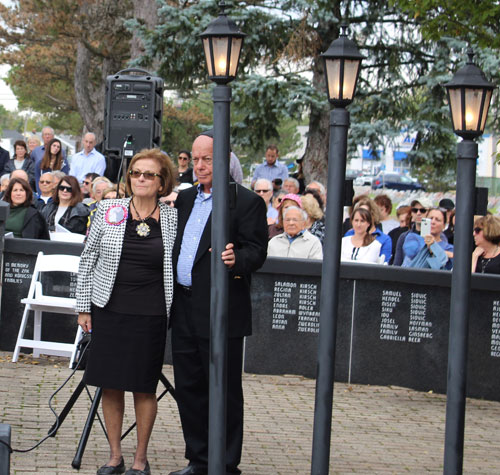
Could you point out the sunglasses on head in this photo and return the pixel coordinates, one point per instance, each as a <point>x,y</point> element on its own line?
<point>417,210</point>
<point>477,230</point>
<point>69,189</point>
<point>147,175</point>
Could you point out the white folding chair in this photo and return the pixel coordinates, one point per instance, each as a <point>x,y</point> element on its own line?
<point>39,303</point>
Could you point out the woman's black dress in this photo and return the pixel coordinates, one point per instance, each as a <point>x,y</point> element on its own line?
<point>488,266</point>
<point>129,333</point>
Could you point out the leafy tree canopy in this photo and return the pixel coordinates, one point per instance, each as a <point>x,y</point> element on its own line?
<point>476,21</point>
<point>60,52</point>
<point>281,73</point>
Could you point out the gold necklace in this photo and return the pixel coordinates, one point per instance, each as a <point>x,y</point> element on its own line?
<point>143,229</point>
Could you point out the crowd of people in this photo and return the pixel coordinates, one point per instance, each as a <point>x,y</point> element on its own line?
<point>49,193</point>
<point>372,233</point>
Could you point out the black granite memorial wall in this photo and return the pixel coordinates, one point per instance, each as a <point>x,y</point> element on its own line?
<point>393,326</point>
<point>18,265</point>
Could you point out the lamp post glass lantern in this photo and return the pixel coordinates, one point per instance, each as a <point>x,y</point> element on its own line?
<point>342,64</point>
<point>222,42</point>
<point>469,96</point>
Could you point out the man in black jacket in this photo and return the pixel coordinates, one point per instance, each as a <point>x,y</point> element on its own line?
<point>4,158</point>
<point>190,320</point>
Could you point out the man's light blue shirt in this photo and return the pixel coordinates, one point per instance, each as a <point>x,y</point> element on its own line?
<point>192,234</point>
<point>276,170</point>
<point>82,164</point>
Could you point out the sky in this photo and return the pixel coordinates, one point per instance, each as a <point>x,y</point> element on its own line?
<point>7,98</point>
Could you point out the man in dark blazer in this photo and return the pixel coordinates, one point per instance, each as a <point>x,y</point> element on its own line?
<point>4,159</point>
<point>190,321</point>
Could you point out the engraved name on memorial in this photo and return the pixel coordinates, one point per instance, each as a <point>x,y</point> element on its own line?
<point>389,327</point>
<point>308,316</point>
<point>294,301</point>
<point>495,330</point>
<point>395,311</point>
<point>419,328</point>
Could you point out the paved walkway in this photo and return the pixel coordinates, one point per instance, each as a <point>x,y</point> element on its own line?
<point>375,429</point>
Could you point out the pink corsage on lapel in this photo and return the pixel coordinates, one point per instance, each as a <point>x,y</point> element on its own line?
<point>116,215</point>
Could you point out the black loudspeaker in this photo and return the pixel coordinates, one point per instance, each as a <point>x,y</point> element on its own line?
<point>133,113</point>
<point>4,449</point>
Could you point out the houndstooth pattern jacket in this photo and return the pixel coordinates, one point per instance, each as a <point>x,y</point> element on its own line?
<point>101,256</point>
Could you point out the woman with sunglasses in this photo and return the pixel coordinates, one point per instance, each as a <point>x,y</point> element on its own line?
<point>486,256</point>
<point>124,294</point>
<point>418,210</point>
<point>52,160</point>
<point>432,251</point>
<point>24,220</point>
<point>66,208</point>
<point>184,171</point>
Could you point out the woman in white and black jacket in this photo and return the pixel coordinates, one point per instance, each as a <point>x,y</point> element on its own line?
<point>124,294</point>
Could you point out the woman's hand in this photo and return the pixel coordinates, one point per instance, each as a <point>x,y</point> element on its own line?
<point>478,252</point>
<point>429,240</point>
<point>85,321</point>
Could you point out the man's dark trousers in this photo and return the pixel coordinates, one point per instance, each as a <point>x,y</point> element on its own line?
<point>191,358</point>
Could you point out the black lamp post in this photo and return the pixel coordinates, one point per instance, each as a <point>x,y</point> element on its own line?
<point>222,43</point>
<point>342,65</point>
<point>469,96</point>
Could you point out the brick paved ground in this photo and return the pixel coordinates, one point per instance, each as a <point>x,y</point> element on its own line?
<point>375,429</point>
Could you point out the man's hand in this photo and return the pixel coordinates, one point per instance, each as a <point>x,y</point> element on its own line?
<point>228,256</point>
<point>85,322</point>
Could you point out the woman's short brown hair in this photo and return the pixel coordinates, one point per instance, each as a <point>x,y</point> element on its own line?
<point>384,201</point>
<point>29,193</point>
<point>20,143</point>
<point>76,192</point>
<point>490,225</point>
<point>404,210</point>
<point>167,169</point>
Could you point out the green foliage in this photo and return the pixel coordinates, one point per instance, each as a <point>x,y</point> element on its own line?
<point>476,21</point>
<point>280,78</point>
<point>182,124</point>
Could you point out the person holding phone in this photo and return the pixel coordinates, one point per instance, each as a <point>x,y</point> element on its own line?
<point>431,249</point>
<point>418,209</point>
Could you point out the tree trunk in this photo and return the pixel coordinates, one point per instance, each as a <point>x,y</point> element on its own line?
<point>316,154</point>
<point>92,117</point>
<point>147,11</point>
